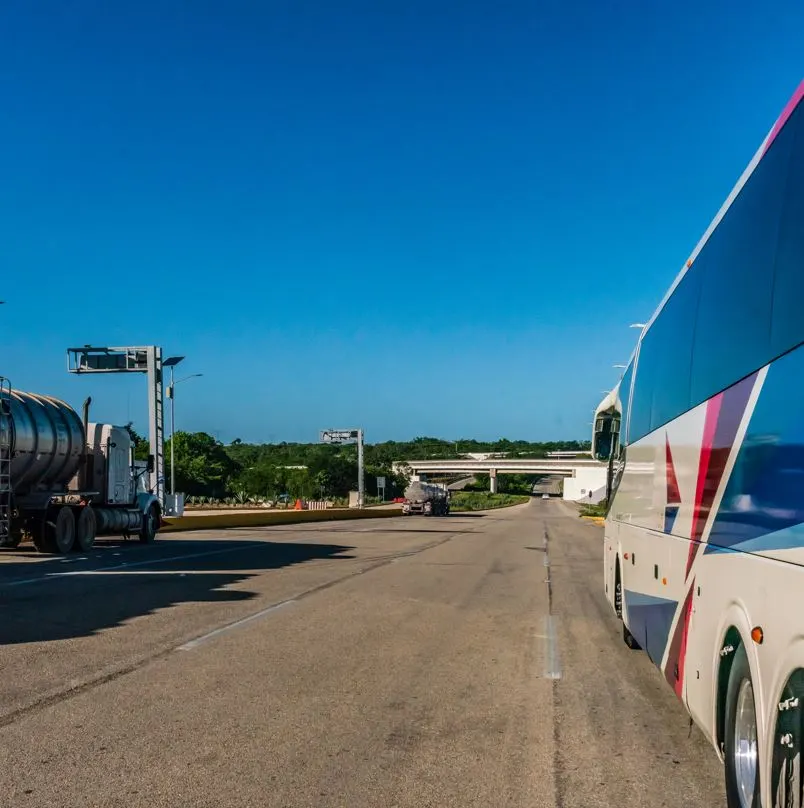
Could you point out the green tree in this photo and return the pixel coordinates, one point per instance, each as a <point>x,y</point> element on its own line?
<point>203,466</point>
<point>141,446</point>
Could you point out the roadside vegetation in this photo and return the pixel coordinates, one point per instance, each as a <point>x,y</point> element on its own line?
<point>594,510</point>
<point>484,501</point>
<point>213,474</point>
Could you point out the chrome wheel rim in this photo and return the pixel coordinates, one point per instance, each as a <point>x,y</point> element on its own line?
<point>745,744</point>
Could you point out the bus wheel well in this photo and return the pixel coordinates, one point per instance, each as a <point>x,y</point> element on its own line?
<point>731,642</point>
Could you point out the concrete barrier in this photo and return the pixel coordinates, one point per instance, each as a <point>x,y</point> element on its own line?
<point>317,505</point>
<point>234,519</point>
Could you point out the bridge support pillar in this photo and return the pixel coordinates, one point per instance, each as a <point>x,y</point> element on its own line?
<point>493,481</point>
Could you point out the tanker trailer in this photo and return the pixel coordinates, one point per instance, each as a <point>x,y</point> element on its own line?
<point>59,491</point>
<point>427,499</point>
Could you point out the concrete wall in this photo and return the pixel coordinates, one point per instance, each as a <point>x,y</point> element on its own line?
<point>592,480</point>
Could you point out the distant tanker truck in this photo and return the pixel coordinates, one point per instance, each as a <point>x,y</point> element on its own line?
<point>64,481</point>
<point>427,499</point>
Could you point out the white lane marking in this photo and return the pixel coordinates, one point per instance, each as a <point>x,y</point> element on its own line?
<point>147,572</point>
<point>552,664</point>
<point>126,566</point>
<point>189,646</point>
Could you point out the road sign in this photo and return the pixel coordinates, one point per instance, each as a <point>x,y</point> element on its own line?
<point>380,482</point>
<point>339,435</point>
<point>347,436</point>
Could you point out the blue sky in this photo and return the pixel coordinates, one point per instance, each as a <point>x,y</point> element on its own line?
<point>423,217</point>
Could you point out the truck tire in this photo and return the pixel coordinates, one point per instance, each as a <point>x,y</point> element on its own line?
<point>741,748</point>
<point>13,540</point>
<point>150,524</point>
<point>86,529</point>
<point>56,533</point>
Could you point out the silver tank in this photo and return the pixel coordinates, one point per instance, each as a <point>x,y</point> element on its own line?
<point>47,442</point>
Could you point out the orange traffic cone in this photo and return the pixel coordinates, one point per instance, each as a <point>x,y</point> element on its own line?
<point>298,506</point>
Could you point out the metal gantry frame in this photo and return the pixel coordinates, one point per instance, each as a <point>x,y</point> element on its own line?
<point>145,359</point>
<point>350,436</point>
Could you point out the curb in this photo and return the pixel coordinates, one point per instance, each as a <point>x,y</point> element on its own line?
<point>224,520</point>
<point>595,520</point>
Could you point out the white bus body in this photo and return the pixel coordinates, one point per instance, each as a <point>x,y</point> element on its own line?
<point>704,538</point>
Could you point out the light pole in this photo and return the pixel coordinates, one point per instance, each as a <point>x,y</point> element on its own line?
<point>173,423</point>
<point>171,394</point>
<point>171,363</point>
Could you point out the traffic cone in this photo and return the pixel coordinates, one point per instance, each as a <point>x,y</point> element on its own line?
<point>298,506</point>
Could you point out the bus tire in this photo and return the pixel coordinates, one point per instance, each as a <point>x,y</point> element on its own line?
<point>630,640</point>
<point>787,784</point>
<point>628,637</point>
<point>741,747</point>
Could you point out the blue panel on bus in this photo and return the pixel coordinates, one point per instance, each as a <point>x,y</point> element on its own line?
<point>733,323</point>
<point>739,304</point>
<point>649,620</point>
<point>787,325</point>
<point>764,493</point>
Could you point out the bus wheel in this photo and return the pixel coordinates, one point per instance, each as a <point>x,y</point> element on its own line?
<point>787,787</point>
<point>741,746</point>
<point>628,637</point>
<point>630,640</point>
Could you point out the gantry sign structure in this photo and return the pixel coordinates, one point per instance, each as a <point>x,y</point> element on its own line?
<point>145,359</point>
<point>350,436</point>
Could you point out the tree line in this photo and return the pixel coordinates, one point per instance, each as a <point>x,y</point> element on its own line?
<point>205,467</point>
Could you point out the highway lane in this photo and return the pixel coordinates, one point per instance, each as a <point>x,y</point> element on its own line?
<point>419,662</point>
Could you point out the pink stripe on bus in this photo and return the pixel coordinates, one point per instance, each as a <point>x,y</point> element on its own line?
<point>786,113</point>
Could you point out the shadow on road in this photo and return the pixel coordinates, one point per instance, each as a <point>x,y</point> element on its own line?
<point>51,600</point>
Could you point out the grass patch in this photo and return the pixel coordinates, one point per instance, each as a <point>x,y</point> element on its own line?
<point>483,500</point>
<point>593,510</point>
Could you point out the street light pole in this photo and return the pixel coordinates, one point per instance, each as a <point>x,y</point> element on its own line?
<point>172,434</point>
<point>172,397</point>
<point>171,363</point>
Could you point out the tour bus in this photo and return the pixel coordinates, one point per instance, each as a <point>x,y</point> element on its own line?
<point>704,437</point>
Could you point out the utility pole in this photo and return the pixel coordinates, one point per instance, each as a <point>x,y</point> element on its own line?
<point>361,480</point>
<point>349,436</point>
<point>171,363</point>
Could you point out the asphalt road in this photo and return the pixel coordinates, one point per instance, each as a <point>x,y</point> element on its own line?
<point>389,663</point>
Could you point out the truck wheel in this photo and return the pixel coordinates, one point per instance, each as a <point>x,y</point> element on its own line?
<point>86,529</point>
<point>13,539</point>
<point>63,531</point>
<point>741,747</point>
<point>787,783</point>
<point>150,524</point>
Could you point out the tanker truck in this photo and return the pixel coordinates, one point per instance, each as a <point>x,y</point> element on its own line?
<point>427,499</point>
<point>64,481</point>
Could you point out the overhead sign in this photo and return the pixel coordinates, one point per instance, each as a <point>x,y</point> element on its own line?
<point>338,435</point>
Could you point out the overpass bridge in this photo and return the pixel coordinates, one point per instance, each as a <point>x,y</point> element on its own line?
<point>582,475</point>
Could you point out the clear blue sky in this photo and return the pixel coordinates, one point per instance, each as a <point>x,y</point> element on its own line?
<point>420,217</point>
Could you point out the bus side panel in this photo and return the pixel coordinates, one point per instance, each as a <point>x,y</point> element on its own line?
<point>656,496</point>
